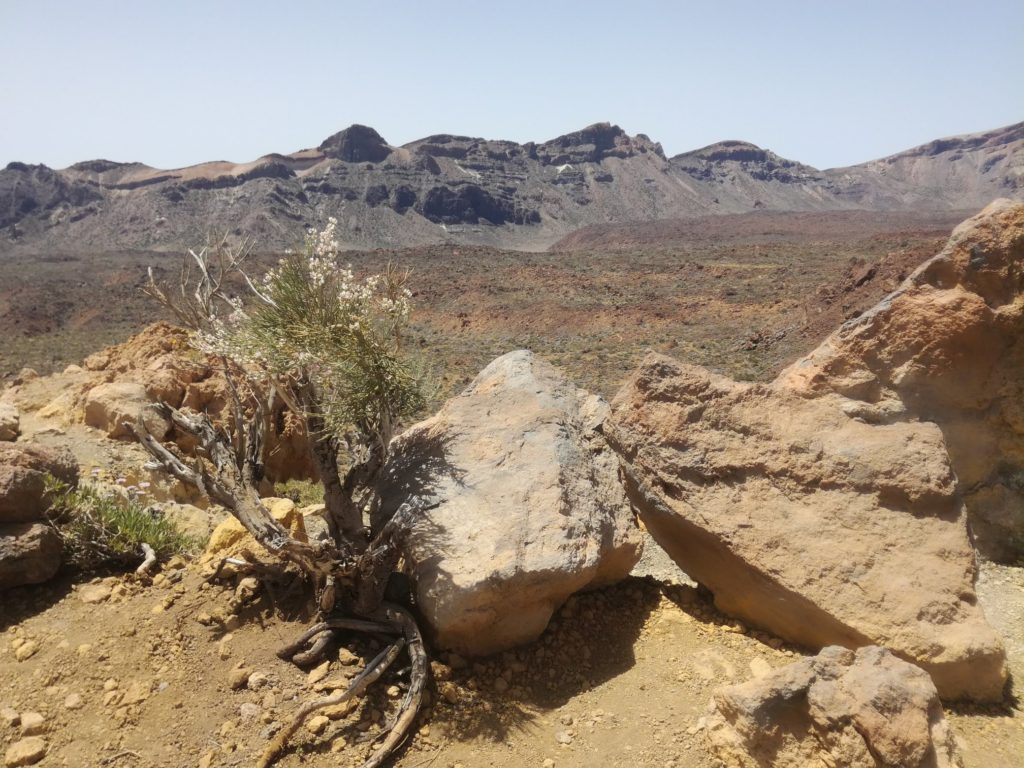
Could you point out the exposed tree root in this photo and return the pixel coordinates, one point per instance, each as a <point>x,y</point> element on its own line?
<point>150,559</point>
<point>289,652</point>
<point>410,705</point>
<point>391,619</point>
<point>366,678</point>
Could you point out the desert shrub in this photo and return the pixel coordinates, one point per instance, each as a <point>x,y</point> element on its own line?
<point>107,529</point>
<point>330,346</point>
<point>310,334</point>
<point>311,322</point>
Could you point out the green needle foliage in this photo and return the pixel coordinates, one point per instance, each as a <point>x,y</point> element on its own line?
<point>312,322</point>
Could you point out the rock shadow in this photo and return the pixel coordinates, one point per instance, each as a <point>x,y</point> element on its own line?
<point>413,476</point>
<point>20,603</point>
<point>589,641</point>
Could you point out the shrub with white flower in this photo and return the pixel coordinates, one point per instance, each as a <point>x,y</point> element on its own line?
<point>311,321</point>
<point>329,345</point>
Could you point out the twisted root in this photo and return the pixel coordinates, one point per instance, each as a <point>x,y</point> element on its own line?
<point>389,619</point>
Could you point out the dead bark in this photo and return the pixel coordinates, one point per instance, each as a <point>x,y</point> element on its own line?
<point>231,486</point>
<point>359,572</point>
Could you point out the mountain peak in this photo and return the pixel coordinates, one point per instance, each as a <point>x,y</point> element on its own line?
<point>730,149</point>
<point>594,143</point>
<point>356,144</point>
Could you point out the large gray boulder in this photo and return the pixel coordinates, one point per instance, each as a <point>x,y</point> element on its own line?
<point>30,553</point>
<point>862,710</point>
<point>806,520</point>
<point>517,505</point>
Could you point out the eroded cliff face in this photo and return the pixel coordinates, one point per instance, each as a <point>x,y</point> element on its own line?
<point>947,347</point>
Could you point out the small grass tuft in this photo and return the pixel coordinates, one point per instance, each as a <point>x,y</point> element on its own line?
<point>106,529</point>
<point>302,492</point>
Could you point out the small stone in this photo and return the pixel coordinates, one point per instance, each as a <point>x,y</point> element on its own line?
<point>10,717</point>
<point>549,763</point>
<point>110,684</point>
<point>346,658</point>
<point>339,711</point>
<point>440,672</point>
<point>91,594</point>
<point>25,752</point>
<point>318,673</point>
<point>238,678</point>
<point>449,692</point>
<point>207,760</point>
<point>693,730</point>
<point>317,725</point>
<point>563,737</point>
<point>759,667</point>
<point>249,711</point>
<point>32,724</point>
<point>137,693</point>
<point>246,588</point>
<point>258,680</point>
<point>24,652</point>
<point>567,720</point>
<point>394,692</point>
<point>73,701</point>
<point>83,649</point>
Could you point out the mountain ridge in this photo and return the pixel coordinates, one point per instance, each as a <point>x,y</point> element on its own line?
<point>451,188</point>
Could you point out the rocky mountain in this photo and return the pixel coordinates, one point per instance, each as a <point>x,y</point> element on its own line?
<point>457,188</point>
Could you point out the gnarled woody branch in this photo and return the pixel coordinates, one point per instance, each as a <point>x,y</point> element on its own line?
<point>232,487</point>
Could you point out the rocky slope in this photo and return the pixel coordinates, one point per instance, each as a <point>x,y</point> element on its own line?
<point>457,188</point>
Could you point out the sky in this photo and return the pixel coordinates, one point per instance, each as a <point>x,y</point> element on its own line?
<point>827,83</point>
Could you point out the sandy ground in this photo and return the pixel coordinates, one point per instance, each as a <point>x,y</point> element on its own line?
<point>622,676</point>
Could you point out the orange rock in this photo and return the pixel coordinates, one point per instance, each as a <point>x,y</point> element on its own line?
<point>948,347</point>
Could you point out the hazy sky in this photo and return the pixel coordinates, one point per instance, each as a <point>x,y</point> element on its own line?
<point>175,82</point>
